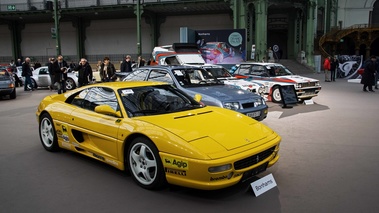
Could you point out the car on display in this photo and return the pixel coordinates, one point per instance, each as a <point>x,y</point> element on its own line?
<point>41,78</point>
<point>7,84</point>
<point>273,75</point>
<point>216,51</point>
<point>224,76</point>
<point>158,133</point>
<point>195,80</point>
<point>19,80</point>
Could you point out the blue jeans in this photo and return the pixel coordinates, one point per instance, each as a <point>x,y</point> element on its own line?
<point>28,82</point>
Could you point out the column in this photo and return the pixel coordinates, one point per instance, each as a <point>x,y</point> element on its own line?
<point>261,7</point>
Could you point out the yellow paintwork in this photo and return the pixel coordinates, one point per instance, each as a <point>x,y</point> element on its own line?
<point>189,142</point>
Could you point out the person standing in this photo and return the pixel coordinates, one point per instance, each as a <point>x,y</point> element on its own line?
<point>140,62</point>
<point>368,75</point>
<point>85,72</point>
<point>327,68</point>
<point>126,65</point>
<point>107,71</point>
<point>60,71</point>
<point>333,68</point>
<point>19,62</point>
<point>27,73</point>
<point>51,72</point>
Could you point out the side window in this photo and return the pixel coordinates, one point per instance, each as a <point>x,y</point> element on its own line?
<point>244,70</point>
<point>257,70</point>
<point>43,71</point>
<point>160,75</point>
<point>95,96</point>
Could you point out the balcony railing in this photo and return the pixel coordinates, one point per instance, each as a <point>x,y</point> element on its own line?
<point>22,5</point>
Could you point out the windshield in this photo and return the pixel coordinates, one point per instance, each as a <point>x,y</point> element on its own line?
<point>153,100</point>
<point>218,72</point>
<point>194,76</point>
<point>278,70</point>
<point>4,74</point>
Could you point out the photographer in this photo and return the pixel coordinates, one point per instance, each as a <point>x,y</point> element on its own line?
<point>60,74</point>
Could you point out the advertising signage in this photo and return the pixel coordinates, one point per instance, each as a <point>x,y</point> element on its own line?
<point>222,46</point>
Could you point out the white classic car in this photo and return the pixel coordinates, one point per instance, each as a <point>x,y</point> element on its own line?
<point>223,75</point>
<point>273,75</point>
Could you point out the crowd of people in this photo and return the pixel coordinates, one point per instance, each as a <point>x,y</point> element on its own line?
<point>58,69</point>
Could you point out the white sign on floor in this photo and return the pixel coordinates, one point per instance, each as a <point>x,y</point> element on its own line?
<point>263,185</point>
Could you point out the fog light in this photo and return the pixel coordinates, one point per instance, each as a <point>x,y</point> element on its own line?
<point>222,168</point>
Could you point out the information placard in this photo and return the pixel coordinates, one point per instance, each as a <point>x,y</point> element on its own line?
<point>288,95</point>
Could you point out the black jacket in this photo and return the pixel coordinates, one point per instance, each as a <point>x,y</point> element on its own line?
<point>59,74</point>
<point>26,70</point>
<point>85,73</point>
<point>109,73</point>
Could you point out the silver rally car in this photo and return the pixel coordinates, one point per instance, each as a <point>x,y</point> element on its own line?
<point>196,80</point>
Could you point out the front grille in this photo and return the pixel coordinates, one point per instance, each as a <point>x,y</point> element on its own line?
<point>248,105</point>
<point>308,84</point>
<point>249,161</point>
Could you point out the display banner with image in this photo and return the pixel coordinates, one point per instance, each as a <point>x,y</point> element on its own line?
<point>222,46</point>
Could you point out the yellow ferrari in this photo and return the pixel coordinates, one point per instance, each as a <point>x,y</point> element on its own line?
<point>157,133</point>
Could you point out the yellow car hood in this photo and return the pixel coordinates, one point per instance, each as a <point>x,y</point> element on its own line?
<point>209,126</point>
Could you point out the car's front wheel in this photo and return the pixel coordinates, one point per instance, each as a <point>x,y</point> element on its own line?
<point>47,133</point>
<point>275,96</point>
<point>144,164</point>
<point>70,84</point>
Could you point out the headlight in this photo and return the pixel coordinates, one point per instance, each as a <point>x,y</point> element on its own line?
<point>259,102</point>
<point>261,89</point>
<point>297,85</point>
<point>232,105</point>
<point>222,168</point>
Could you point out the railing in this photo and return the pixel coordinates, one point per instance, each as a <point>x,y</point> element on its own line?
<point>14,5</point>
<point>336,34</point>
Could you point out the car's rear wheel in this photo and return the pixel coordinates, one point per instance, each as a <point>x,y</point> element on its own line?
<point>145,164</point>
<point>275,96</point>
<point>47,133</point>
<point>70,84</point>
<point>33,85</point>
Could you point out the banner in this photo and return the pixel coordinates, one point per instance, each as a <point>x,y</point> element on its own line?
<point>348,66</point>
<point>222,46</point>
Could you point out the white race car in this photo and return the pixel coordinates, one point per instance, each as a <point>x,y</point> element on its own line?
<point>273,75</point>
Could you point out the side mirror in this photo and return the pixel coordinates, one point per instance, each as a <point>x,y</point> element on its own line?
<point>198,98</point>
<point>107,110</point>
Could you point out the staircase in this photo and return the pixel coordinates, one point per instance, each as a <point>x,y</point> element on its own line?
<point>296,67</point>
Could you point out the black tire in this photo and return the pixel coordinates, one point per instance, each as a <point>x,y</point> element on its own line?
<point>47,133</point>
<point>34,84</point>
<point>13,94</point>
<point>144,164</point>
<point>70,84</point>
<point>275,95</point>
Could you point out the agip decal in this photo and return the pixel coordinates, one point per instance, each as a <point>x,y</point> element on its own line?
<point>175,163</point>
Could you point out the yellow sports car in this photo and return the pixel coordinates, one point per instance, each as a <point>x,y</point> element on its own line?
<point>158,133</point>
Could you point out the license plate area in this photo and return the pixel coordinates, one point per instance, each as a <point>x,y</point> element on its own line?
<point>252,173</point>
<point>254,114</point>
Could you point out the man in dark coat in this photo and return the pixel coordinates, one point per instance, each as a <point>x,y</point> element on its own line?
<point>60,74</point>
<point>368,76</point>
<point>27,73</point>
<point>126,65</point>
<point>85,72</point>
